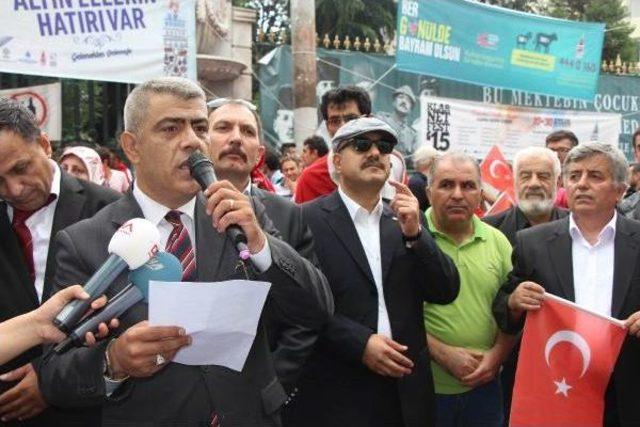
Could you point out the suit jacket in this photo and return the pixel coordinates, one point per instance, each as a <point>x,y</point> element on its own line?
<point>543,254</point>
<point>513,220</point>
<point>180,394</point>
<point>78,199</point>
<point>336,388</point>
<point>291,344</point>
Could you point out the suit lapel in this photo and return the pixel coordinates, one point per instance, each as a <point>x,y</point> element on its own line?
<point>12,251</point>
<point>390,240</point>
<point>560,254</point>
<point>625,256</point>
<point>68,211</point>
<point>210,246</point>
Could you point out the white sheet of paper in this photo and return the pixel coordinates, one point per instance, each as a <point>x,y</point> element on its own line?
<point>221,317</point>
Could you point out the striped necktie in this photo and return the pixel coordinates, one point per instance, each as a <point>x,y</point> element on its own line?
<point>179,244</point>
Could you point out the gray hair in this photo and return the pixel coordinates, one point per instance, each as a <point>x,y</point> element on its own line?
<point>529,152</point>
<point>135,108</point>
<point>456,157</point>
<point>212,106</point>
<point>618,165</point>
<point>17,118</point>
<point>424,155</point>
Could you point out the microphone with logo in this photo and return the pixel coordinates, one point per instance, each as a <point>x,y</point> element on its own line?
<point>164,267</point>
<point>133,244</point>
<point>202,171</point>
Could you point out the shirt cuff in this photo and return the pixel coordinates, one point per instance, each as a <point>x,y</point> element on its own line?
<point>262,260</point>
<point>111,386</point>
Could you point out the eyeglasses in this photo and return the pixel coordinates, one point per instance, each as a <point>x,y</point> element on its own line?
<point>219,102</point>
<point>339,120</point>
<point>362,145</point>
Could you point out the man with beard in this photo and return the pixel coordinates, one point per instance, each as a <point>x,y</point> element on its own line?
<point>536,171</point>
<point>403,102</point>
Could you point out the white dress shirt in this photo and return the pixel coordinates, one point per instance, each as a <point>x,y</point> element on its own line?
<point>368,228</point>
<point>155,212</point>
<point>593,267</point>
<point>40,225</point>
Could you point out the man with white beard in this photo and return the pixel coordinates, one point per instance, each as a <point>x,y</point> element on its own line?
<point>536,171</point>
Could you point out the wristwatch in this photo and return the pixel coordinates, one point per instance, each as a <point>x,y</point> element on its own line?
<point>410,240</point>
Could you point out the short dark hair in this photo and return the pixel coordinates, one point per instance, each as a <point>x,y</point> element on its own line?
<point>286,146</point>
<point>560,135</point>
<point>634,136</point>
<point>635,167</point>
<point>17,118</point>
<point>272,160</point>
<point>340,95</point>
<point>316,143</point>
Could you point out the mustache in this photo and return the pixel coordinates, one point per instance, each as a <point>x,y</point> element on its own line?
<point>234,151</point>
<point>372,162</point>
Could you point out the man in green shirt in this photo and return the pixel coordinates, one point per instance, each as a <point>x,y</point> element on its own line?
<point>466,346</point>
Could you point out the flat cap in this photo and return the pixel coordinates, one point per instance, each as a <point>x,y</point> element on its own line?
<point>359,127</point>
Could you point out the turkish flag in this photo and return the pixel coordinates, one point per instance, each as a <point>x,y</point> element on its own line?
<point>503,203</point>
<point>566,359</point>
<point>496,172</point>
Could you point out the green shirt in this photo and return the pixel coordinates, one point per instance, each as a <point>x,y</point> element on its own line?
<point>483,262</point>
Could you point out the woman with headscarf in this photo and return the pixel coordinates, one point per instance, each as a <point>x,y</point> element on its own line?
<point>83,163</point>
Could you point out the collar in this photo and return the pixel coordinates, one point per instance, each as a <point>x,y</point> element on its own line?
<point>607,232</point>
<point>479,228</point>
<point>247,190</point>
<point>57,177</point>
<point>155,212</point>
<point>354,208</point>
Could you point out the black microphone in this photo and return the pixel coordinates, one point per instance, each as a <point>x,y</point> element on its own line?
<point>133,244</point>
<point>202,171</point>
<point>164,267</point>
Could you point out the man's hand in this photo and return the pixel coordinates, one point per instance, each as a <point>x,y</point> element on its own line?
<point>384,356</point>
<point>528,296</point>
<point>24,400</point>
<point>485,372</point>
<point>228,206</point>
<point>633,324</point>
<point>43,316</point>
<point>460,362</point>
<point>135,352</point>
<point>406,207</point>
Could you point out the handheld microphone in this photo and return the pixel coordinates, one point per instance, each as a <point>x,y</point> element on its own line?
<point>164,267</point>
<point>202,171</point>
<point>133,244</point>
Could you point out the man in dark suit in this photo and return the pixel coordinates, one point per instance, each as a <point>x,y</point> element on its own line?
<point>235,148</point>
<point>371,366</point>
<point>38,200</point>
<point>591,258</point>
<point>536,171</point>
<point>132,376</point>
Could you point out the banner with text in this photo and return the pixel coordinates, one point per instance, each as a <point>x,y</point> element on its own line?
<point>44,102</point>
<point>111,40</point>
<point>475,127</point>
<point>484,44</point>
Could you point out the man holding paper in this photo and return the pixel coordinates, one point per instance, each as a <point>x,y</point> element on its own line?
<point>132,377</point>
<point>591,258</point>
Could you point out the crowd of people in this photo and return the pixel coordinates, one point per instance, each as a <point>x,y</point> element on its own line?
<point>392,302</point>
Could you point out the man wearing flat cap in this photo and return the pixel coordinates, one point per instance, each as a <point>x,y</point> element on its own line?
<point>403,102</point>
<point>371,364</point>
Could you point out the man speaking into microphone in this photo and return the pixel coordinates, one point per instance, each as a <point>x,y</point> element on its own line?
<point>132,377</point>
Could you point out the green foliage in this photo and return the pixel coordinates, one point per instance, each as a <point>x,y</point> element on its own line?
<point>363,18</point>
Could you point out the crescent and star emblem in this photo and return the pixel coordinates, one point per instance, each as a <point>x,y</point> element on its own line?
<point>580,343</point>
<point>497,164</point>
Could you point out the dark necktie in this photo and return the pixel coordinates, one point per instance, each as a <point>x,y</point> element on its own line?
<point>19,225</point>
<point>179,244</point>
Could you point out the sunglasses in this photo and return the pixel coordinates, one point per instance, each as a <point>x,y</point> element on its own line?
<point>362,145</point>
<point>219,102</point>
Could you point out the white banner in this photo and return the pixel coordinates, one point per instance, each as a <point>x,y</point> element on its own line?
<point>474,127</point>
<point>45,102</point>
<point>125,41</point>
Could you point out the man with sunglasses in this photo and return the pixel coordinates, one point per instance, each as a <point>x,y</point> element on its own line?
<point>371,364</point>
<point>338,107</point>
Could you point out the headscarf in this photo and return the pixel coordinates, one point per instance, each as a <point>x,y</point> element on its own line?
<point>91,160</point>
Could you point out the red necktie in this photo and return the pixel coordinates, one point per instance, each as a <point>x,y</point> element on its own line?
<point>24,235</point>
<point>179,244</point>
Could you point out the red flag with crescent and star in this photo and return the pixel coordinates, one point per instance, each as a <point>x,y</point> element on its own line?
<point>566,359</point>
<point>496,172</point>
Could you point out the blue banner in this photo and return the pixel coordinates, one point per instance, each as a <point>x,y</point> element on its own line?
<point>489,45</point>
